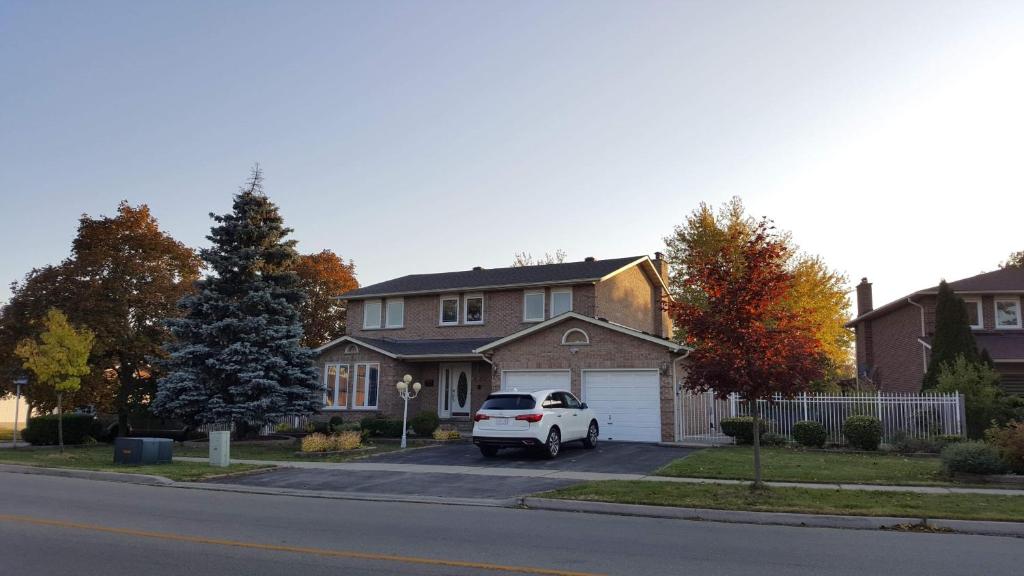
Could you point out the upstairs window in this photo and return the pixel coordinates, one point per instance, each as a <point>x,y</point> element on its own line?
<point>561,301</point>
<point>395,316</point>
<point>974,317</point>
<point>533,306</point>
<point>1008,312</point>
<point>371,314</point>
<point>474,309</point>
<point>449,310</point>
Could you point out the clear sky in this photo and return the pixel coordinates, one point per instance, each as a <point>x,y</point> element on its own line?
<point>433,136</point>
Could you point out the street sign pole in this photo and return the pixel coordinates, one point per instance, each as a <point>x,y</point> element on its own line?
<point>17,401</point>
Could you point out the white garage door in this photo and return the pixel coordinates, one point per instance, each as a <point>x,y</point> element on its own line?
<point>627,403</point>
<point>532,381</point>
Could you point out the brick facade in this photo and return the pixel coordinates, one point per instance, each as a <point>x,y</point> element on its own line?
<point>630,298</point>
<point>608,349</point>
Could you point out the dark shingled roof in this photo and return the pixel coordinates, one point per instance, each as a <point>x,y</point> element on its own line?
<point>567,272</point>
<point>1002,281</point>
<point>1000,346</point>
<point>446,347</point>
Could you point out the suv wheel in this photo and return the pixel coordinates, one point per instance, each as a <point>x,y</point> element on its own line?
<point>554,443</point>
<point>488,451</point>
<point>591,440</point>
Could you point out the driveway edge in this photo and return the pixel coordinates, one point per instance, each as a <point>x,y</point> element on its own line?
<point>987,528</point>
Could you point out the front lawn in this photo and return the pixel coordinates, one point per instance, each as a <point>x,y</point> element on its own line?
<point>794,465</point>
<point>800,500</point>
<point>101,458</point>
<point>287,452</point>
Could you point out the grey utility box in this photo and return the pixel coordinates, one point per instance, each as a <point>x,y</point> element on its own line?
<point>139,451</point>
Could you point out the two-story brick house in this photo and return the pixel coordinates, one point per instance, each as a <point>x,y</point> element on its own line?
<point>893,341</point>
<point>594,327</point>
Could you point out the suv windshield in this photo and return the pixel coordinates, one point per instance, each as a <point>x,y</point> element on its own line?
<point>509,402</point>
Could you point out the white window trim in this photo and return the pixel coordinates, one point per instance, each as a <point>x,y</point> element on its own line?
<point>543,305</point>
<point>981,315</point>
<point>440,310</point>
<point>366,307</point>
<point>995,311</point>
<point>337,371</point>
<point>465,308</point>
<point>353,376</point>
<point>561,291</point>
<point>387,314</point>
<point>569,332</point>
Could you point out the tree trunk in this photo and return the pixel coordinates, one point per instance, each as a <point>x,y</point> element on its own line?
<point>757,448</point>
<point>60,422</point>
<point>124,382</point>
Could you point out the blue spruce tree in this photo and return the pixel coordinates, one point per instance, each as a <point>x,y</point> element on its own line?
<point>237,357</point>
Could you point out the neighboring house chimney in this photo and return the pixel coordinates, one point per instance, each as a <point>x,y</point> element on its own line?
<point>864,302</point>
<point>588,259</point>
<point>662,321</point>
<point>477,268</point>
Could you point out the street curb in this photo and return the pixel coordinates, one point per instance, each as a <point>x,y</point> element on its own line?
<point>126,478</point>
<point>362,496</point>
<point>987,528</point>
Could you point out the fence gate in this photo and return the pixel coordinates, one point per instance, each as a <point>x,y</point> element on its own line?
<point>902,415</point>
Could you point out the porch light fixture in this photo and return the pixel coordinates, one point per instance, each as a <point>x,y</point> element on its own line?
<point>403,391</point>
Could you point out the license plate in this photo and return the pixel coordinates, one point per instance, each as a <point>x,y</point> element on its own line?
<point>501,421</point>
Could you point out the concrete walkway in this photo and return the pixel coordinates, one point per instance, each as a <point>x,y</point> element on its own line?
<point>591,476</point>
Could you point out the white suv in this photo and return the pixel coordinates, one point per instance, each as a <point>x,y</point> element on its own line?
<point>543,419</point>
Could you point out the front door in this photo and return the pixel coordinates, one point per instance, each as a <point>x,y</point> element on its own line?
<point>453,393</point>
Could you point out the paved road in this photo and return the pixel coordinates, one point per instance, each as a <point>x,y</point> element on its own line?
<point>55,525</point>
<point>612,457</point>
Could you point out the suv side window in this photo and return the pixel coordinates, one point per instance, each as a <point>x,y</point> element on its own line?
<point>553,401</point>
<point>570,401</point>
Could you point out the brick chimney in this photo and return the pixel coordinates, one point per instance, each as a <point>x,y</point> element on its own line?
<point>864,302</point>
<point>662,321</point>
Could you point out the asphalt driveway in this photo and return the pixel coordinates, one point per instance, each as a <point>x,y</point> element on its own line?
<point>608,457</point>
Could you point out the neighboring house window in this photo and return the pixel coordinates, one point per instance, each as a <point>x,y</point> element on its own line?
<point>364,395</point>
<point>395,313</point>
<point>1008,312</point>
<point>533,306</point>
<point>561,301</point>
<point>474,309</point>
<point>974,316</point>
<point>371,314</point>
<point>449,310</point>
<point>336,386</point>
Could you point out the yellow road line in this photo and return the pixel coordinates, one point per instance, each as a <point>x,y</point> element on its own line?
<point>292,549</point>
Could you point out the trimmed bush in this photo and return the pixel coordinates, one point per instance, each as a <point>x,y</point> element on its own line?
<point>42,430</point>
<point>424,423</point>
<point>335,422</point>
<point>1009,440</point>
<point>972,458</point>
<point>773,439</point>
<point>741,428</point>
<point>809,433</point>
<point>385,427</point>
<point>863,432</point>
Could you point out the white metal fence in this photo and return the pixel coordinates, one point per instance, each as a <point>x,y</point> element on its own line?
<point>902,415</point>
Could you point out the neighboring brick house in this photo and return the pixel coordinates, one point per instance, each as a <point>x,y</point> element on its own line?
<point>894,341</point>
<point>594,327</point>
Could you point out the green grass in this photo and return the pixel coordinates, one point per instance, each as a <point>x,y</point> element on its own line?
<point>792,465</point>
<point>800,500</point>
<point>101,457</point>
<point>286,452</point>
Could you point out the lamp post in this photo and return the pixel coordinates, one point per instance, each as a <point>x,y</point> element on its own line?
<point>18,383</point>
<point>403,391</point>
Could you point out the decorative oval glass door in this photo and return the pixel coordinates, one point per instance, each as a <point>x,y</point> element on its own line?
<point>455,393</point>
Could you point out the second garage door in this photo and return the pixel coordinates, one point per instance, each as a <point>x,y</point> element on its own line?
<point>627,403</point>
<point>534,380</point>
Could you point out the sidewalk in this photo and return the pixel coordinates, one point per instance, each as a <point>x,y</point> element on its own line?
<point>594,476</point>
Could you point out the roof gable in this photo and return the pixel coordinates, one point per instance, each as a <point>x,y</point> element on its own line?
<point>492,278</point>
<point>674,347</point>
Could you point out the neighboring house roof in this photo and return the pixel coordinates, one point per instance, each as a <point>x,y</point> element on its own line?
<point>412,349</point>
<point>1002,347</point>
<point>517,276</point>
<point>673,346</point>
<point>1003,281</point>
